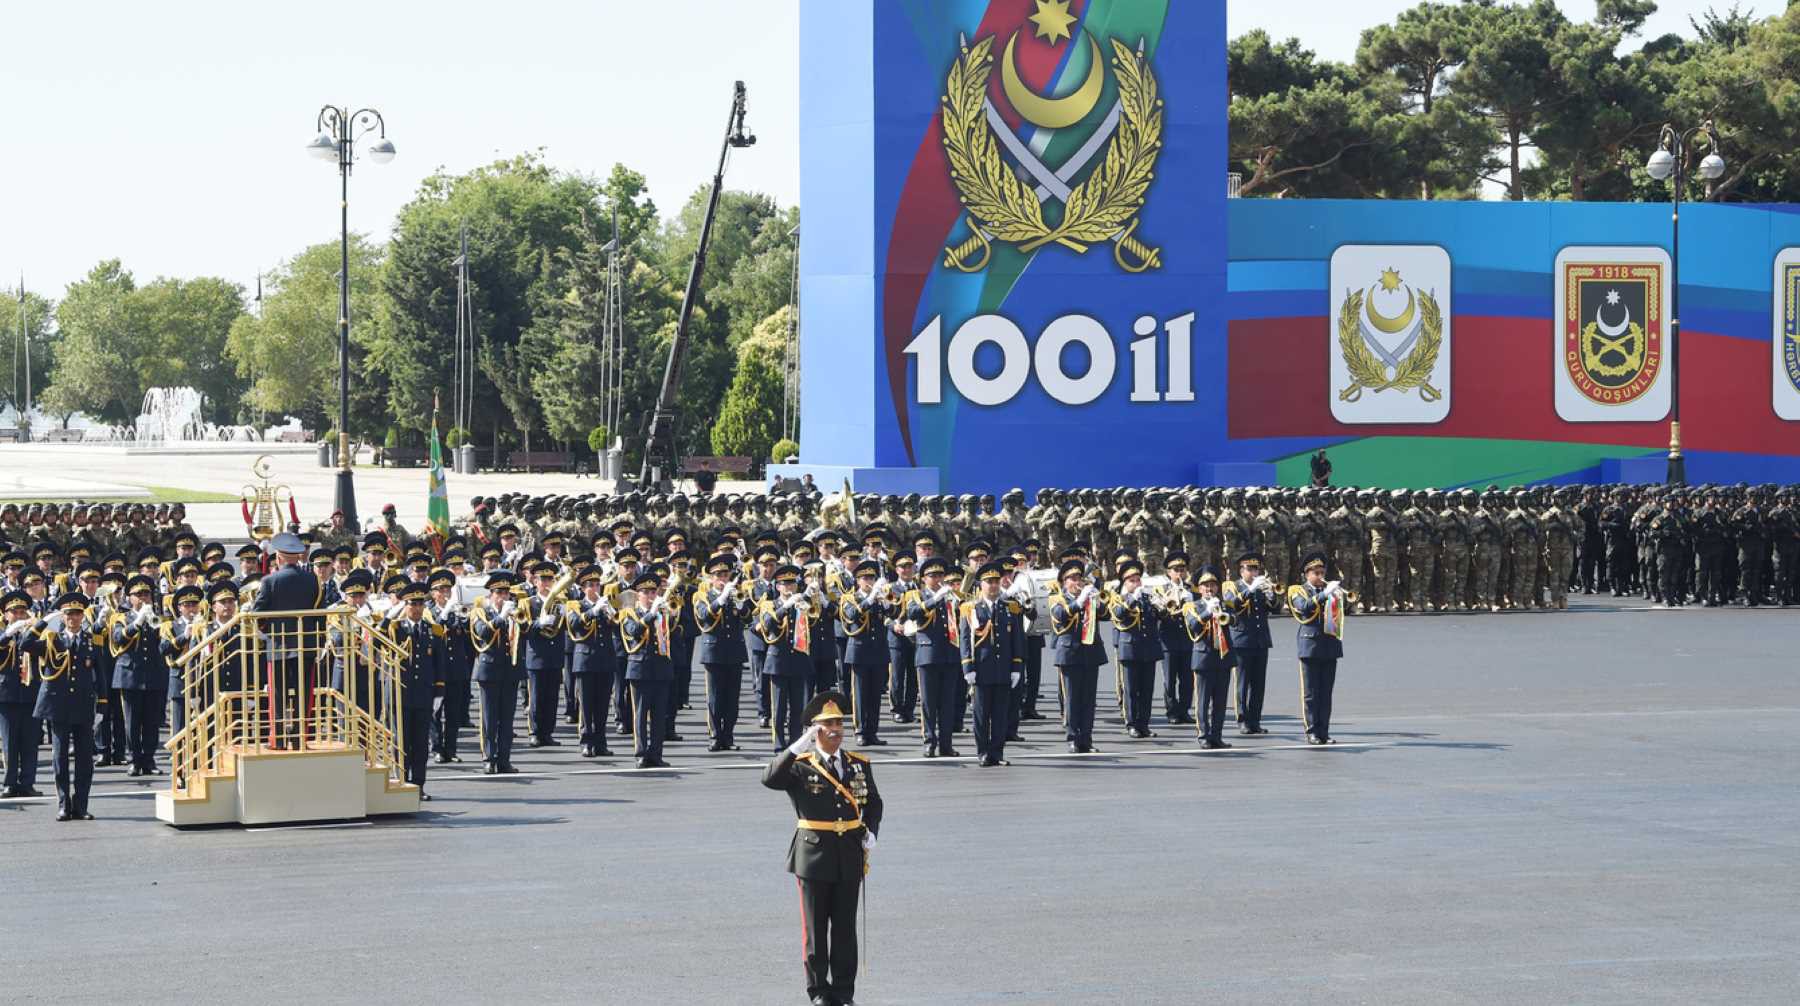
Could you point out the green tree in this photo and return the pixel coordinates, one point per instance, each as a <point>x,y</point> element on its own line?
<point>100,337</point>
<point>749,419</point>
<point>40,322</point>
<point>1444,142</point>
<point>1300,126</point>
<point>185,326</point>
<point>520,214</point>
<point>1510,75</point>
<point>290,353</point>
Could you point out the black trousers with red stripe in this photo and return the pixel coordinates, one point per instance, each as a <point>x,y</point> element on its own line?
<point>828,927</point>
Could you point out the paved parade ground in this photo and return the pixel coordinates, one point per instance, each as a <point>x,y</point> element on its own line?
<point>1595,806</point>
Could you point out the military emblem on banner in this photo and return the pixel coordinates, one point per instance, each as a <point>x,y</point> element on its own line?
<point>1611,334</point>
<point>1080,176</point>
<point>1786,350</point>
<point>1390,326</point>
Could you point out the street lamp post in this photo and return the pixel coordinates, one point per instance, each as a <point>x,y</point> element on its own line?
<point>1669,159</point>
<point>339,129</point>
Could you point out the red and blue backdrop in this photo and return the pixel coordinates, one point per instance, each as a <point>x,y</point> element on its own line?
<point>1215,363</point>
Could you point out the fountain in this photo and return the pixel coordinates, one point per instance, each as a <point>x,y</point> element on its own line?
<point>171,415</point>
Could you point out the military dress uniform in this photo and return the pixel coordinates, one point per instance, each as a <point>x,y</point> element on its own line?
<point>541,649</point>
<point>1251,641</point>
<point>936,655</point>
<point>720,614</point>
<point>1076,653</point>
<point>862,620</point>
<point>1206,623</point>
<point>649,672</point>
<point>784,623</point>
<point>19,686</point>
<point>1319,643</point>
<point>1137,646</point>
<point>494,635</point>
<point>66,702</point>
<point>452,714</point>
<point>992,648</point>
<point>903,678</point>
<point>593,660</point>
<point>138,678</point>
<point>839,813</point>
<point>421,680</point>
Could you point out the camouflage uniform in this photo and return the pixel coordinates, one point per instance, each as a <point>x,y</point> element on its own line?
<point>1277,533</point>
<point>1454,559</point>
<point>1522,546</point>
<point>1379,593</point>
<point>1562,531</point>
<point>1416,534</point>
<point>1485,548</point>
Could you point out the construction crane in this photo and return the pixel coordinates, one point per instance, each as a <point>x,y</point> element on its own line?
<point>659,466</point>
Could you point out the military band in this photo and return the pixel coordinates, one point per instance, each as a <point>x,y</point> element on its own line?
<point>599,610</point>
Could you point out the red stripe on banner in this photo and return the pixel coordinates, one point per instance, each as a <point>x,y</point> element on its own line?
<point>927,209</point>
<point>1502,387</point>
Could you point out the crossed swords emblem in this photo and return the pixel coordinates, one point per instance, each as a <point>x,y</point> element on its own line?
<point>1050,182</point>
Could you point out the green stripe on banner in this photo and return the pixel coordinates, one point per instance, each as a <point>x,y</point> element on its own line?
<point>1442,462</point>
<point>1124,19</point>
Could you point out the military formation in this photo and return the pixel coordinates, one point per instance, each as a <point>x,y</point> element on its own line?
<point>617,613</point>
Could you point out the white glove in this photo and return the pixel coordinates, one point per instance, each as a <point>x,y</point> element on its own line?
<point>969,677</point>
<point>15,628</point>
<point>1212,606</point>
<point>805,741</point>
<point>546,619</point>
<point>1086,594</point>
<point>1015,678</point>
<point>1334,587</point>
<point>365,611</point>
<point>143,615</point>
<point>909,628</point>
<point>868,841</point>
<point>1260,583</point>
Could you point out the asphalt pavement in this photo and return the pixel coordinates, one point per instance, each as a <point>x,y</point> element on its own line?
<point>1593,806</point>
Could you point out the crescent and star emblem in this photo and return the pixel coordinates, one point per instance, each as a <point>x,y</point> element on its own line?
<point>1003,180</point>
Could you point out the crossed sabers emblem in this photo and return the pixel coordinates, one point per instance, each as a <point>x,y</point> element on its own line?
<point>1006,204</point>
<point>1625,338</point>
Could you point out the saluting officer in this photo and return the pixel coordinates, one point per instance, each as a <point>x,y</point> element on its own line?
<point>720,610</point>
<point>1249,598</point>
<point>1318,606</point>
<point>839,814</point>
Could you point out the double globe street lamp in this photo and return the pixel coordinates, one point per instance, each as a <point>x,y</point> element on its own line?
<point>339,130</point>
<point>1671,159</point>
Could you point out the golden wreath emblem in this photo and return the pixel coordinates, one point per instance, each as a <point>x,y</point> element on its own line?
<point>1413,372</point>
<point>1002,206</point>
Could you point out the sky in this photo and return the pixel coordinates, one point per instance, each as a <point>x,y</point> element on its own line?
<point>172,135</point>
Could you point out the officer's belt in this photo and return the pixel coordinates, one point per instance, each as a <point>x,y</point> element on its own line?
<point>838,827</point>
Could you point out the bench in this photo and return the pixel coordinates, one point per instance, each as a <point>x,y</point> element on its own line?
<point>11,434</point>
<point>403,457</point>
<point>716,465</point>
<point>63,436</point>
<point>295,436</point>
<point>531,461</point>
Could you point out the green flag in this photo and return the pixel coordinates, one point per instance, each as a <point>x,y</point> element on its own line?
<point>437,509</point>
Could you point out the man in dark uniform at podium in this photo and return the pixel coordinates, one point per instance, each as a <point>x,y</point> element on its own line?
<point>839,811</point>
<point>291,587</point>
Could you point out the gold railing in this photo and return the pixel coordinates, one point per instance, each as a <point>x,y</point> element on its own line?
<point>291,681</point>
